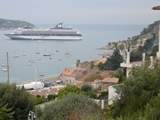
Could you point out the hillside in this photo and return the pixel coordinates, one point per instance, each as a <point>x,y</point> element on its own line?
<point>12,24</point>
<point>146,41</point>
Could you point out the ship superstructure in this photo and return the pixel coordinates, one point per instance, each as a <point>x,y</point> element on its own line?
<point>57,33</point>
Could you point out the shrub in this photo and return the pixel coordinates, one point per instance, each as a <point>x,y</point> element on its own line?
<point>88,91</point>
<point>152,111</point>
<point>69,90</point>
<point>71,107</point>
<point>137,91</point>
<point>5,112</point>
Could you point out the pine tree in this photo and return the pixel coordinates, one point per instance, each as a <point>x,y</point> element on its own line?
<point>113,63</point>
<point>6,113</point>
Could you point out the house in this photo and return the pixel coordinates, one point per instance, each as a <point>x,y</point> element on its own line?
<point>68,80</point>
<point>96,84</point>
<point>104,83</point>
<point>47,91</point>
<point>113,93</point>
<point>109,81</point>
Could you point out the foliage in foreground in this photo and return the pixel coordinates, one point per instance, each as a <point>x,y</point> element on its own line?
<point>86,90</point>
<point>140,99</point>
<point>5,112</point>
<point>69,90</point>
<point>17,100</point>
<point>71,107</point>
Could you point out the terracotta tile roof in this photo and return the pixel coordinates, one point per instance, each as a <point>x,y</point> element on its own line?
<point>110,80</point>
<point>45,91</point>
<point>107,74</point>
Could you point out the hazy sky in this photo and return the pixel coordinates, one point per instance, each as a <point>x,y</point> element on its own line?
<point>81,11</point>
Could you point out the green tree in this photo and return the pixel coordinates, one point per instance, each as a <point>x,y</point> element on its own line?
<point>113,62</point>
<point>152,111</point>
<point>88,91</point>
<point>69,89</point>
<point>6,113</point>
<point>120,74</point>
<point>19,100</point>
<point>149,44</point>
<point>136,55</point>
<point>154,50</point>
<point>136,92</point>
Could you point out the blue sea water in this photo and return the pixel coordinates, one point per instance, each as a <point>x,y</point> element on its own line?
<point>28,63</point>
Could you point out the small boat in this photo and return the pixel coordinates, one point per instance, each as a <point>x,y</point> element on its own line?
<point>42,75</point>
<point>57,51</point>
<point>4,69</point>
<point>47,55</point>
<point>16,56</point>
<point>50,58</point>
<point>38,53</point>
<point>67,53</point>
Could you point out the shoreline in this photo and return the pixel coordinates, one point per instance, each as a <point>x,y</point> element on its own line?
<point>107,52</point>
<point>53,78</point>
<point>104,50</point>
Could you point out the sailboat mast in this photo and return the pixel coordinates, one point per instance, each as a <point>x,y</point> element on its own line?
<point>8,69</point>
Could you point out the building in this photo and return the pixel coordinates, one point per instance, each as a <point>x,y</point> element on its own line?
<point>113,94</point>
<point>72,75</point>
<point>54,90</point>
<point>104,83</point>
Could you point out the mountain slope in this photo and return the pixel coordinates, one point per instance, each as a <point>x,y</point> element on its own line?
<point>146,41</point>
<point>11,24</point>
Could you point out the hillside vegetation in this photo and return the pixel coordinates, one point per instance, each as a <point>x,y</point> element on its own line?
<point>146,41</point>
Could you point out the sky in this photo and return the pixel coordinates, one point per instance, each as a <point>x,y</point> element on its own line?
<point>113,12</point>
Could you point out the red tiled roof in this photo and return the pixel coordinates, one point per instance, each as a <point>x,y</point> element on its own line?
<point>110,80</point>
<point>45,92</point>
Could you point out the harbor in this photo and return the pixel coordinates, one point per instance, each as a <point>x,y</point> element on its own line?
<point>79,60</point>
<point>32,60</point>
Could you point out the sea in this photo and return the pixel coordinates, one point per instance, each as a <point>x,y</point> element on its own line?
<point>27,60</point>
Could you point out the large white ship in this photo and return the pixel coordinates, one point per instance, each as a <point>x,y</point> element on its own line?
<point>57,33</point>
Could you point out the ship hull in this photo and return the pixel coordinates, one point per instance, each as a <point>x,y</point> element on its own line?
<point>63,38</point>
